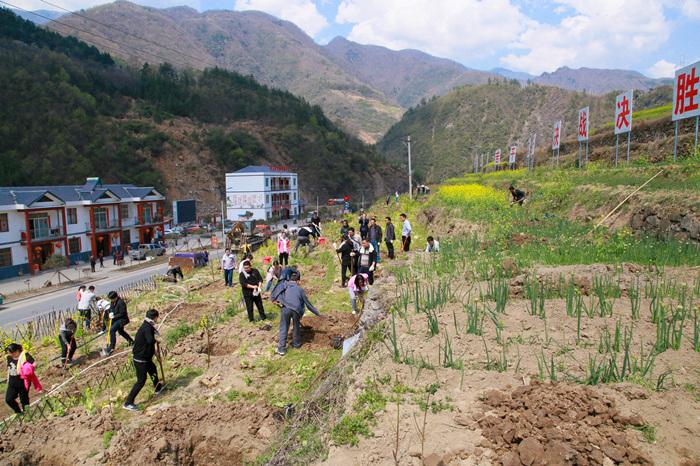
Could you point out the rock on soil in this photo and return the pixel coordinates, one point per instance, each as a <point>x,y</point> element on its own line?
<point>558,424</point>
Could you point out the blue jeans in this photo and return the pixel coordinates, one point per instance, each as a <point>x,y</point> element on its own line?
<point>228,277</point>
<point>285,316</point>
<point>375,245</point>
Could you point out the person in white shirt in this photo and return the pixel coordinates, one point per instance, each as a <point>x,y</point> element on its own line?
<point>87,300</point>
<point>405,233</point>
<point>433,245</point>
<point>228,264</point>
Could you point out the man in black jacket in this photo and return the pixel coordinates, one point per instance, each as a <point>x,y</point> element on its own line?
<point>120,318</point>
<point>346,259</point>
<point>251,286</point>
<point>389,237</point>
<point>375,235</point>
<point>144,349</point>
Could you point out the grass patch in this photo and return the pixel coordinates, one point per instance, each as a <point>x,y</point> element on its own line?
<point>370,401</point>
<point>648,433</point>
<point>289,378</point>
<point>107,439</point>
<point>176,334</point>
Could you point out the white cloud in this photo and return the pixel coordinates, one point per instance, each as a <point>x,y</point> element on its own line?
<point>691,9</point>
<point>303,13</point>
<point>662,69</point>
<point>599,33</point>
<point>459,29</point>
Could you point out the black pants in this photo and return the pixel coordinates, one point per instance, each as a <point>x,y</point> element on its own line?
<point>370,275</point>
<point>406,243</point>
<point>249,300</point>
<point>14,391</point>
<point>64,348</point>
<point>118,327</point>
<point>284,258</point>
<point>142,370</point>
<point>344,268</point>
<point>390,248</point>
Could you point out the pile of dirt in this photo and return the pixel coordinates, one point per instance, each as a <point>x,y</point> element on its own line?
<point>560,423</point>
<point>217,433</point>
<point>318,332</point>
<point>46,442</point>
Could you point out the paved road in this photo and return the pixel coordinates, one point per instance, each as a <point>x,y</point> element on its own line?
<point>28,309</point>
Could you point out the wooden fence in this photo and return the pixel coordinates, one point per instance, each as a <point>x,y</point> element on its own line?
<point>47,325</point>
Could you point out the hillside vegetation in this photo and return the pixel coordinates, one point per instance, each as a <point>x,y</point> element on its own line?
<point>68,112</point>
<point>275,52</point>
<point>449,130</point>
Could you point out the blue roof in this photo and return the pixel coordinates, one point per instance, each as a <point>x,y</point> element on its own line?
<point>91,191</point>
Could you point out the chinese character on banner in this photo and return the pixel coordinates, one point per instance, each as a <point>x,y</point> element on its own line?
<point>685,92</point>
<point>557,135</point>
<point>623,113</point>
<point>583,124</point>
<point>497,157</point>
<point>511,156</point>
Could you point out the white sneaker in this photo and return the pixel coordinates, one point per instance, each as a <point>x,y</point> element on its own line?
<point>130,407</point>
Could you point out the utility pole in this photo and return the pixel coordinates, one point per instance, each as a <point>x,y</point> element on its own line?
<point>223,222</point>
<point>410,176</point>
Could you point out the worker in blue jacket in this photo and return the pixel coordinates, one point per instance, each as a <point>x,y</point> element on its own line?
<point>293,300</point>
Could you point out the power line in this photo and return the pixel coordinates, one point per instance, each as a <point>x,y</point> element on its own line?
<point>185,65</point>
<point>121,31</point>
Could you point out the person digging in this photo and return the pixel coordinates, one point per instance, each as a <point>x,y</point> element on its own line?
<point>518,196</point>
<point>147,337</point>
<point>119,318</point>
<point>292,298</point>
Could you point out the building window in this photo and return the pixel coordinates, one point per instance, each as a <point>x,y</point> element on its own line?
<point>100,215</point>
<point>125,210</point>
<point>74,245</point>
<point>267,182</point>
<point>295,196</point>
<point>267,198</point>
<point>126,237</point>
<point>4,224</point>
<point>72,216</point>
<point>5,257</point>
<point>294,182</point>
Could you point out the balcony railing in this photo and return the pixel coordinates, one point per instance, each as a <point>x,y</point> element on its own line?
<point>113,224</point>
<point>149,221</point>
<point>42,234</point>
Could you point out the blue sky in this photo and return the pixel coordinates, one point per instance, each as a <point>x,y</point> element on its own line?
<point>650,36</point>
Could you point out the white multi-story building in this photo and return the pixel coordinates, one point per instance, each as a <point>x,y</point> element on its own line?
<point>37,222</point>
<point>266,193</point>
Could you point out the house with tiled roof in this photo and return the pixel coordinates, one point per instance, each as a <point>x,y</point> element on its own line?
<point>37,222</point>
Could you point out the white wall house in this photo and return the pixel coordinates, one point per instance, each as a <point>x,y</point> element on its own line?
<point>37,222</point>
<point>269,193</point>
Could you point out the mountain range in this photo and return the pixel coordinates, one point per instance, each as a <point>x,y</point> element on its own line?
<point>364,88</point>
<point>70,111</point>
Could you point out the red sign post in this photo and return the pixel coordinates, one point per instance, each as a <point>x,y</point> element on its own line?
<point>512,155</point>
<point>686,101</point>
<point>583,127</point>
<point>556,141</point>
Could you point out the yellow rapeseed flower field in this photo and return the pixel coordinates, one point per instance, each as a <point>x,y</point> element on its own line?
<point>474,194</point>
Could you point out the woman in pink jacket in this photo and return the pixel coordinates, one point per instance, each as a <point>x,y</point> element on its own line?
<point>20,372</point>
<point>283,248</point>
<point>357,288</point>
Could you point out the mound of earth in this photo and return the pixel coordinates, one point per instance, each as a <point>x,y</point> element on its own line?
<point>319,331</point>
<point>559,424</point>
<point>217,433</point>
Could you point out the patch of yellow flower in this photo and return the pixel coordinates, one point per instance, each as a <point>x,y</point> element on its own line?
<point>471,194</point>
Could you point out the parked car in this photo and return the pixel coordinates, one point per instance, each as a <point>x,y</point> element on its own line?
<point>145,250</point>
